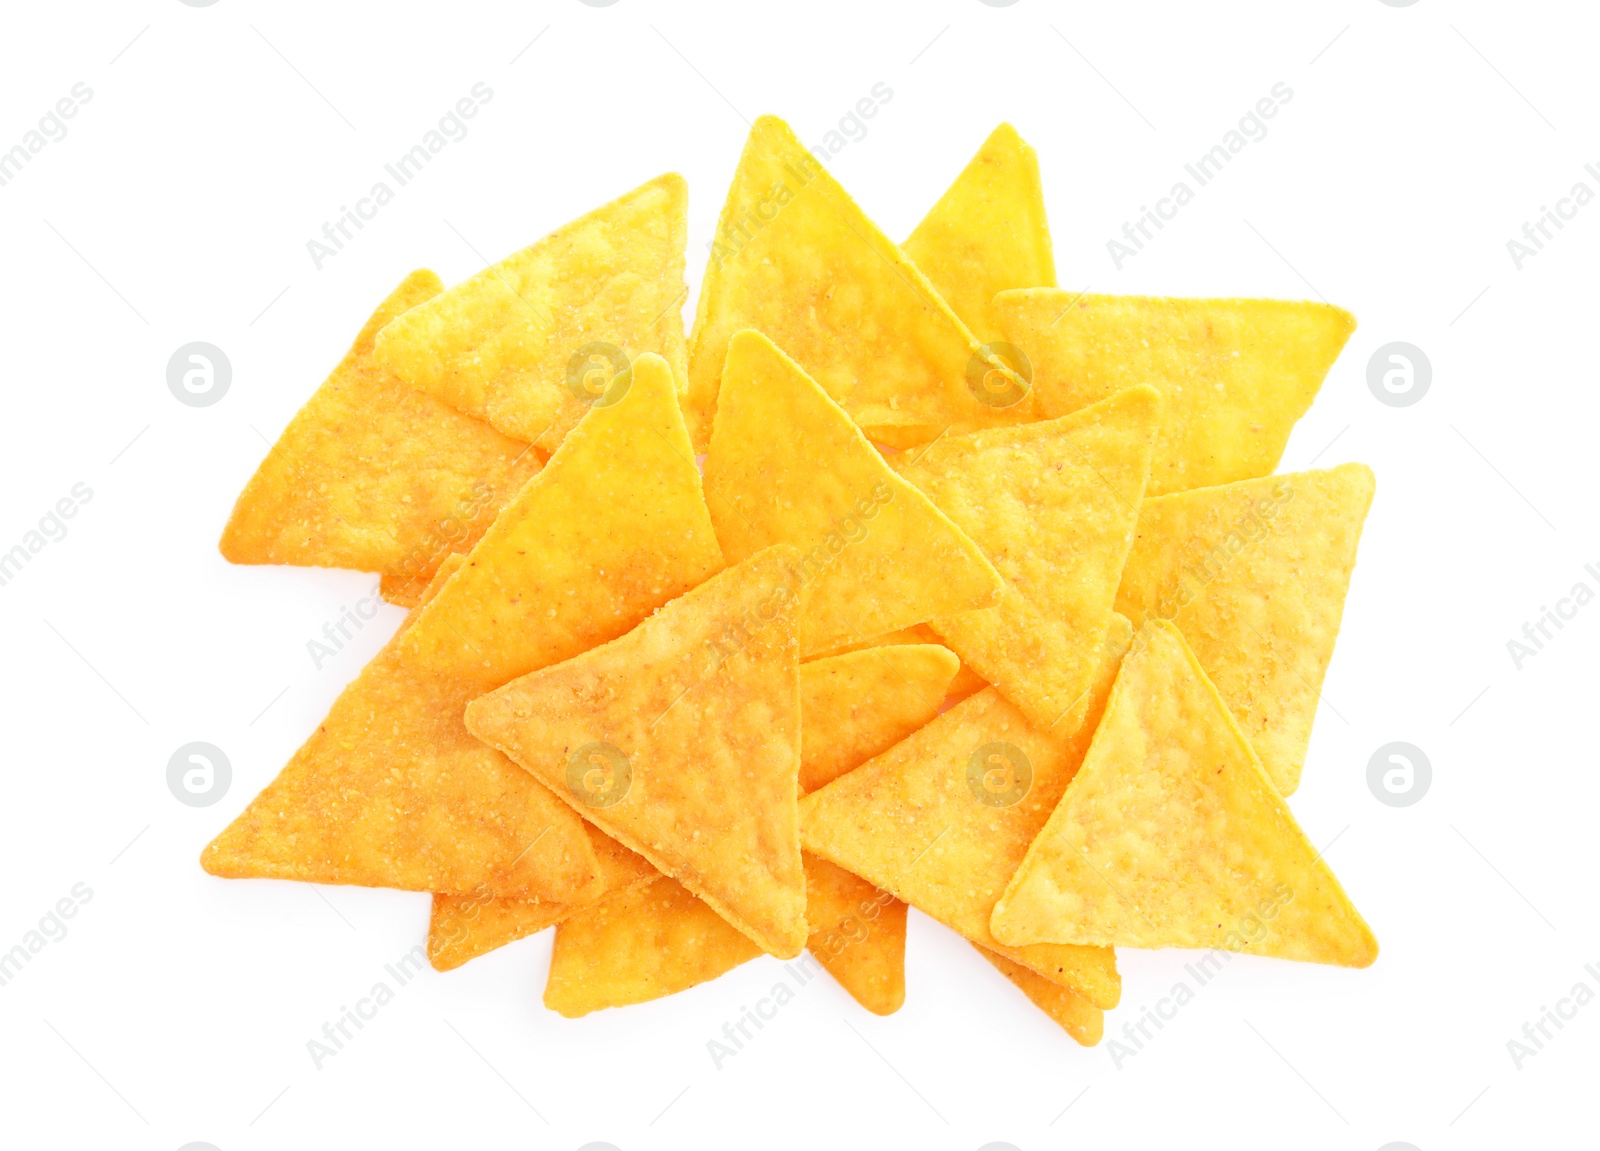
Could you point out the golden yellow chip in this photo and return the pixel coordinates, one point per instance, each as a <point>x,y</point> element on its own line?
<point>531,342</point>
<point>987,233</point>
<point>1077,1016</point>
<point>787,466</point>
<point>682,740</point>
<point>943,818</point>
<point>1237,374</point>
<point>391,791</point>
<point>858,934</point>
<point>612,528</point>
<point>1172,835</point>
<point>1254,575</point>
<point>794,257</point>
<point>376,476</point>
<point>1053,506</point>
<point>966,681</point>
<point>855,705</point>
<point>651,941</point>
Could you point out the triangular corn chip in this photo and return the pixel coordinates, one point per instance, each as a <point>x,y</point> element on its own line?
<point>391,791</point>
<point>1053,507</point>
<point>1077,1016</point>
<point>987,233</point>
<point>651,941</point>
<point>855,705</point>
<point>796,258</point>
<point>682,740</point>
<point>787,466</point>
<point>942,819</point>
<point>1254,575</point>
<point>529,343</point>
<point>964,684</point>
<point>612,528</point>
<point>1237,374</point>
<point>376,476</point>
<point>858,934</point>
<point>1172,835</point>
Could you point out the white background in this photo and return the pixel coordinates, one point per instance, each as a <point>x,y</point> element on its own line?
<point>218,141</point>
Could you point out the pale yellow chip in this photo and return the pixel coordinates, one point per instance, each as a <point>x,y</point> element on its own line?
<point>855,705</point>
<point>942,819</point>
<point>651,941</point>
<point>1254,575</point>
<point>614,527</point>
<point>964,684</point>
<point>1053,507</point>
<point>1172,835</point>
<point>391,791</point>
<point>1237,374</point>
<point>787,466</point>
<point>858,934</point>
<point>531,342</point>
<point>796,258</point>
<point>682,740</point>
<point>1077,1016</point>
<point>987,233</point>
<point>376,476</point>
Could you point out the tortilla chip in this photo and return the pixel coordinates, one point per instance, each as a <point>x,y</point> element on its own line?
<point>520,343</point>
<point>391,791</point>
<point>1077,1016</point>
<point>1237,374</point>
<point>463,927</point>
<point>1254,575</point>
<point>856,705</point>
<point>1172,835</point>
<point>858,934</point>
<point>682,740</point>
<point>787,466</point>
<point>614,527</point>
<point>928,821</point>
<point>987,233</point>
<point>795,258</point>
<point>374,475</point>
<point>1053,506</point>
<point>652,941</point>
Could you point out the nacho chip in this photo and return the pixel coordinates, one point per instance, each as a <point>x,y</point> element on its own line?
<point>856,705</point>
<point>530,343</point>
<point>1077,1016</point>
<point>966,681</point>
<point>1172,835</point>
<point>1237,374</point>
<point>682,740</point>
<point>858,934</point>
<point>987,233</point>
<point>1053,506</point>
<point>376,476</point>
<point>654,940</point>
<point>1254,575</point>
<point>391,791</point>
<point>942,819</point>
<point>795,258</point>
<point>787,466</point>
<point>612,528</point>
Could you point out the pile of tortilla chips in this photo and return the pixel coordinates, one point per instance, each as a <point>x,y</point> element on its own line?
<point>983,600</point>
